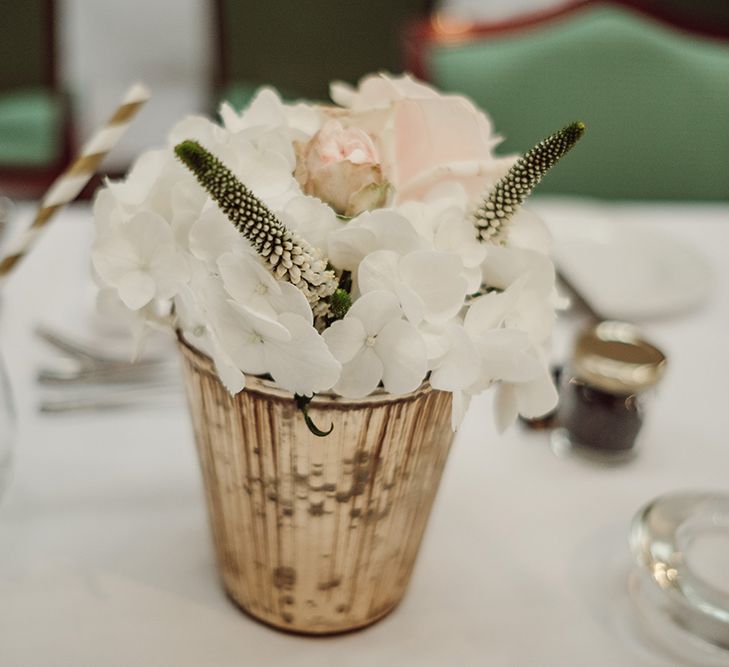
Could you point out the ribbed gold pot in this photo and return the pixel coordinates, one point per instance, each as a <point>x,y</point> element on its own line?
<point>316,535</point>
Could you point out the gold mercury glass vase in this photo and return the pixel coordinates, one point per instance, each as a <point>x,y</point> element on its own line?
<point>316,535</point>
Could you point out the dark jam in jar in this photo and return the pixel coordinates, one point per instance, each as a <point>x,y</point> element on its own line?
<point>602,389</point>
<point>597,418</point>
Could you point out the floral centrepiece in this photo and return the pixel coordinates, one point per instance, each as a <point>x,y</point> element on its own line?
<point>378,241</point>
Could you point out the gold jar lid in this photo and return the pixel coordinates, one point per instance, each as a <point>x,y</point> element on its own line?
<point>614,357</point>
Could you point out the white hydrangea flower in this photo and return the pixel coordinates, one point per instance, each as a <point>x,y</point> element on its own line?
<point>429,284</point>
<point>370,231</point>
<point>243,340</point>
<point>442,221</point>
<point>534,310</point>
<point>265,112</point>
<point>250,284</point>
<point>139,323</point>
<point>509,355</point>
<point>374,344</point>
<point>288,348</point>
<point>139,258</point>
<point>311,219</point>
<point>460,366</point>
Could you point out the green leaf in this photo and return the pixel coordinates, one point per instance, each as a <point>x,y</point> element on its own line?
<point>339,303</point>
<point>302,403</point>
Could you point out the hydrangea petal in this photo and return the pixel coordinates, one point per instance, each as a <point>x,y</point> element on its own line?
<point>304,365</point>
<point>290,299</point>
<point>113,257</point>
<point>230,375</point>
<point>460,367</point>
<point>374,310</point>
<point>404,359</point>
<point>379,271</point>
<point>136,289</point>
<point>506,408</point>
<point>509,354</point>
<point>460,402</point>
<point>212,235</point>
<point>348,245</point>
<point>361,375</point>
<point>261,324</point>
<point>345,338</point>
<point>536,397</point>
<point>436,278</point>
<point>170,271</point>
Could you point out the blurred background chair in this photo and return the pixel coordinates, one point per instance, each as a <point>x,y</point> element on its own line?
<point>650,81</point>
<point>300,47</point>
<point>35,131</point>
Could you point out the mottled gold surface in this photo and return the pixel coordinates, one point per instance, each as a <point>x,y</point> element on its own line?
<point>316,535</point>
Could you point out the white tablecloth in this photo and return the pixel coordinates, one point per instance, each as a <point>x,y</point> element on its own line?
<point>105,556</point>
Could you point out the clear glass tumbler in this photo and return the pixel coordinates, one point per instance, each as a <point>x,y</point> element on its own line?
<point>7,428</point>
<point>7,410</point>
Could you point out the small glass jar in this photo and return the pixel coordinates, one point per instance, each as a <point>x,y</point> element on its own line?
<point>603,388</point>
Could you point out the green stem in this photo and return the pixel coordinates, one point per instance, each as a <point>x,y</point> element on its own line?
<point>302,403</point>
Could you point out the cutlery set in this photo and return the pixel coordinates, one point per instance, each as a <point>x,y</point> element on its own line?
<point>84,378</point>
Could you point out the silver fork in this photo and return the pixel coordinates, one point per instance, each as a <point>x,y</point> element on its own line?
<point>92,380</point>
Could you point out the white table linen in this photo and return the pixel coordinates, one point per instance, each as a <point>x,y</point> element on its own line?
<point>105,556</point>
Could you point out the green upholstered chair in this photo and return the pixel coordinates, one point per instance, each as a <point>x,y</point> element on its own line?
<point>655,98</point>
<point>300,46</point>
<point>33,113</point>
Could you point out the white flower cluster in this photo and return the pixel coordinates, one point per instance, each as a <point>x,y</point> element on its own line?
<point>429,299</point>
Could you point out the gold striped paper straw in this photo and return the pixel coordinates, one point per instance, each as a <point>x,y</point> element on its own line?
<point>69,184</point>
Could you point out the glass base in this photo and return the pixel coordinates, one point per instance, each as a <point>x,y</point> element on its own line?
<point>680,586</point>
<point>668,631</point>
<point>564,445</point>
<point>5,466</point>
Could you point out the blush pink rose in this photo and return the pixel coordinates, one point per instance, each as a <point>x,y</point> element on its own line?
<point>429,138</point>
<point>341,166</point>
